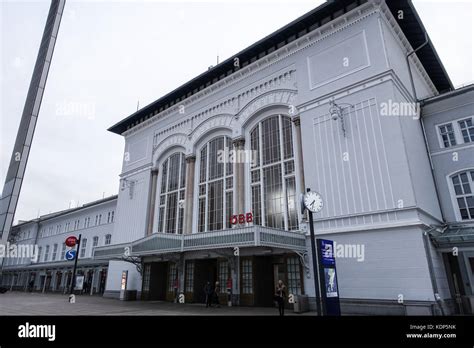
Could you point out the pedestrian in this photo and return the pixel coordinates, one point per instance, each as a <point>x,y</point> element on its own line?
<point>208,292</point>
<point>280,295</point>
<point>217,290</point>
<point>30,285</point>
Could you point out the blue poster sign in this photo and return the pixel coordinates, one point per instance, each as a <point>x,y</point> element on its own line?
<point>327,253</point>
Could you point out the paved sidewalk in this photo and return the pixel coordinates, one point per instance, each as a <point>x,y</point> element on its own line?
<point>23,303</point>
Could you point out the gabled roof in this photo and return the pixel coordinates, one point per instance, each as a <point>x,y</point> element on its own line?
<point>411,26</point>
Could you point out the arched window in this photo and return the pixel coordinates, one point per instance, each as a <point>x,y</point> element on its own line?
<point>216,183</point>
<point>272,174</point>
<point>463,184</point>
<point>173,183</point>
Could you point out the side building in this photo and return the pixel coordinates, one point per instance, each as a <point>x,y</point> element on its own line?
<point>48,270</point>
<point>449,124</point>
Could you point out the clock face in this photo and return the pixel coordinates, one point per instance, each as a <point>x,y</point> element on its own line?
<point>313,201</point>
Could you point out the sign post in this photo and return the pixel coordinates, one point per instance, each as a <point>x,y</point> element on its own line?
<point>328,276</point>
<point>71,242</point>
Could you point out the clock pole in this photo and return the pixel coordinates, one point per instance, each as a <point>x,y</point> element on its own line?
<point>314,256</point>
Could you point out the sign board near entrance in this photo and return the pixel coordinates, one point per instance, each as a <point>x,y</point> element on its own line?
<point>70,255</point>
<point>79,285</point>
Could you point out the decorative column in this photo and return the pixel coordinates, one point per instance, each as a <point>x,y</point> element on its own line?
<point>151,202</point>
<point>299,153</point>
<point>189,199</point>
<point>239,144</point>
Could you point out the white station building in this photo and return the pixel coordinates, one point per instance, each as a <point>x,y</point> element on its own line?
<point>325,103</point>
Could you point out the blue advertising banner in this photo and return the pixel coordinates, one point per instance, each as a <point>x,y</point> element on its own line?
<point>327,253</point>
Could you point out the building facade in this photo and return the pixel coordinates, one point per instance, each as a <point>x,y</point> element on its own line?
<point>276,101</point>
<point>48,270</point>
<point>213,171</point>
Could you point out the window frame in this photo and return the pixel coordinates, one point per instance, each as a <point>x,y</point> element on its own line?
<point>454,196</point>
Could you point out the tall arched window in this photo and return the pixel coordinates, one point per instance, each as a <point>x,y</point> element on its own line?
<point>272,174</point>
<point>173,183</point>
<point>216,185</point>
<point>463,184</point>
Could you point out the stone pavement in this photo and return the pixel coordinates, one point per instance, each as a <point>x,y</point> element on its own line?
<point>24,303</point>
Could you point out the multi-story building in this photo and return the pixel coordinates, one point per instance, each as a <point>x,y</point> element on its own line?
<point>449,124</point>
<point>316,104</point>
<point>328,102</point>
<point>48,270</point>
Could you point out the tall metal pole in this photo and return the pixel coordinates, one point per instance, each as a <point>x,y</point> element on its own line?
<point>73,281</point>
<point>24,137</point>
<point>314,256</point>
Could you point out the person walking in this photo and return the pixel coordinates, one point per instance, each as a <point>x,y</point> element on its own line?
<point>280,295</point>
<point>208,292</point>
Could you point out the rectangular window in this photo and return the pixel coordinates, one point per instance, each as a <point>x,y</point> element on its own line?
<point>164,176</point>
<point>215,204</point>
<point>294,276</point>
<point>173,177</point>
<point>292,203</point>
<point>447,135</point>
<point>55,252</point>
<point>287,138</point>
<point>189,276</point>
<point>229,208</point>
<point>203,165</point>
<point>274,198</point>
<point>161,219</point>
<point>108,239</point>
<point>46,253</point>
<point>182,181</point>
<point>40,249</point>
<point>256,205</point>
<point>255,147</point>
<point>247,276</point>
<point>223,275</point>
<point>172,276</point>
<point>202,215</point>
<point>63,252</point>
<point>95,241</point>
<point>108,217</point>
<point>112,216</point>
<point>171,212</point>
<point>271,142</point>
<point>83,247</point>
<point>146,277</point>
<point>216,167</point>
<point>467,130</point>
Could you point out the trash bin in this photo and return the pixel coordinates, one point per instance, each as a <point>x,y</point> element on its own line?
<point>301,304</point>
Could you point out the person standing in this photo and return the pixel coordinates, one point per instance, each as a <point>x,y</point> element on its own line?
<point>280,295</point>
<point>208,292</point>
<point>217,290</point>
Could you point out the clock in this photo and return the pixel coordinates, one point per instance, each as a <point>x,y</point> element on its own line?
<point>313,201</point>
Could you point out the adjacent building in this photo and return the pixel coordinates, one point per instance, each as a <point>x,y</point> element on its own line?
<point>213,172</point>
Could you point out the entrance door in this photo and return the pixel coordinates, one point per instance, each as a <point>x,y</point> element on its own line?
<point>158,276</point>
<point>204,271</point>
<point>264,289</point>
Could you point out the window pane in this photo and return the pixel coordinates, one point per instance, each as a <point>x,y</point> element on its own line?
<point>255,147</point>
<point>164,176</point>
<point>291,199</point>
<point>174,163</point>
<point>216,167</point>
<point>229,166</point>
<point>182,182</point>
<point>215,205</point>
<point>229,208</point>
<point>202,214</point>
<point>256,207</point>
<point>273,197</point>
<point>287,138</point>
<point>294,276</point>
<point>203,165</point>
<point>171,210</point>
<point>271,140</point>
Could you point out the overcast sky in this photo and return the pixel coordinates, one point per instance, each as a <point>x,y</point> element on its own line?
<point>109,55</point>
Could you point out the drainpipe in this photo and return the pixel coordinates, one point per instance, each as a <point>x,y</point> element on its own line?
<point>426,243</point>
<point>408,64</point>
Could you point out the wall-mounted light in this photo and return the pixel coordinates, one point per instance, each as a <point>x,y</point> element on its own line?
<point>130,184</point>
<point>337,113</point>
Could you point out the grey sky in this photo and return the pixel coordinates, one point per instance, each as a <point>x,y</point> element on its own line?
<point>111,54</point>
